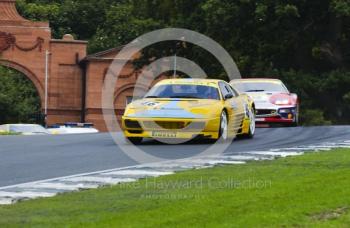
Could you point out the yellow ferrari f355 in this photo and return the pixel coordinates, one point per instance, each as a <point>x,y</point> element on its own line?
<point>190,108</point>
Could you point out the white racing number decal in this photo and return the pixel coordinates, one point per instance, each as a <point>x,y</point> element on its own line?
<point>150,103</point>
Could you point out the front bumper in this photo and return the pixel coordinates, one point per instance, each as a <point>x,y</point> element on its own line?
<point>170,128</point>
<point>276,114</point>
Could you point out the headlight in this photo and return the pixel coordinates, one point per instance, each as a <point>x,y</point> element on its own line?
<point>281,99</point>
<point>282,102</point>
<point>284,111</point>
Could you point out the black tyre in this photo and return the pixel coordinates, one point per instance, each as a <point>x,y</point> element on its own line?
<point>135,140</point>
<point>223,129</point>
<point>252,125</point>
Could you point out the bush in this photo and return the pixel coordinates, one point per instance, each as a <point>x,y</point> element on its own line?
<point>19,99</point>
<point>313,117</point>
<point>324,98</point>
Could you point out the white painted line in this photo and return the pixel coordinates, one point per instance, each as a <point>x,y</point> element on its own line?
<point>240,158</point>
<point>305,149</point>
<point>173,165</point>
<point>26,194</point>
<point>214,162</point>
<point>65,177</point>
<point>103,180</point>
<point>139,172</point>
<point>6,201</point>
<point>223,162</point>
<point>321,149</point>
<point>281,154</point>
<point>61,186</point>
<point>293,149</point>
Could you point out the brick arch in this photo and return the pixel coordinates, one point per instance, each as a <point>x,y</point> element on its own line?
<point>127,87</point>
<point>26,45</point>
<point>29,74</point>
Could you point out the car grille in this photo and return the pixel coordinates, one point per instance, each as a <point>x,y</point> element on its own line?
<point>164,125</point>
<point>173,125</point>
<point>132,124</point>
<point>261,112</point>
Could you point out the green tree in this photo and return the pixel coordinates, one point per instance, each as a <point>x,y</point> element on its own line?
<point>19,100</point>
<point>120,27</point>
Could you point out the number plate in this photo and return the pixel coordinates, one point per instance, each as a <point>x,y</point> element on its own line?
<point>161,134</point>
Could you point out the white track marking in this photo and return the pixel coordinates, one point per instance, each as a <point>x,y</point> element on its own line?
<point>6,201</point>
<point>62,186</point>
<point>214,162</point>
<point>320,149</point>
<point>241,158</point>
<point>139,172</point>
<point>65,177</point>
<point>271,153</point>
<point>103,180</point>
<point>223,162</point>
<point>313,148</point>
<point>294,149</point>
<point>26,194</point>
<point>175,165</point>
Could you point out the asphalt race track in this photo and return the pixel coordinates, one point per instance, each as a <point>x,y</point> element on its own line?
<point>32,158</point>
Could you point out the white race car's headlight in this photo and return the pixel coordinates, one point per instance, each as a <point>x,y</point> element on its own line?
<point>282,99</point>
<point>282,102</point>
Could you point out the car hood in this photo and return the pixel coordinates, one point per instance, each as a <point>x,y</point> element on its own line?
<point>262,100</point>
<point>172,108</point>
<point>261,97</point>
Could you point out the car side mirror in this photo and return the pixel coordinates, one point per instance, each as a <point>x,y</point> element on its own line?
<point>228,96</point>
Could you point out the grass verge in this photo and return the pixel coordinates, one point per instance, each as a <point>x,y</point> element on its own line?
<point>309,190</point>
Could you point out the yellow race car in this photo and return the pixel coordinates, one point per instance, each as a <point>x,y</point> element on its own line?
<point>190,108</point>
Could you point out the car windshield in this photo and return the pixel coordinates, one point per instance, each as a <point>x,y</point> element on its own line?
<point>184,91</point>
<point>260,87</point>
<point>28,129</point>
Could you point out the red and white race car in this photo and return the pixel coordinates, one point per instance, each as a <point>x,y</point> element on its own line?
<point>273,102</point>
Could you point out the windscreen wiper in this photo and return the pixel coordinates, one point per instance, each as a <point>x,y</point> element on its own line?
<point>255,90</point>
<point>190,97</point>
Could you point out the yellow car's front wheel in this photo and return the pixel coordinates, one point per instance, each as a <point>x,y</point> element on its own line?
<point>135,140</point>
<point>251,132</point>
<point>223,131</point>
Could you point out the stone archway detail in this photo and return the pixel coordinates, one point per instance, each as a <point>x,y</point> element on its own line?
<point>127,87</point>
<point>8,40</point>
<point>27,46</point>
<point>30,75</point>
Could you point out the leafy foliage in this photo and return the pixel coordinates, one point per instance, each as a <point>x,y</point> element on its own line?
<point>19,101</point>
